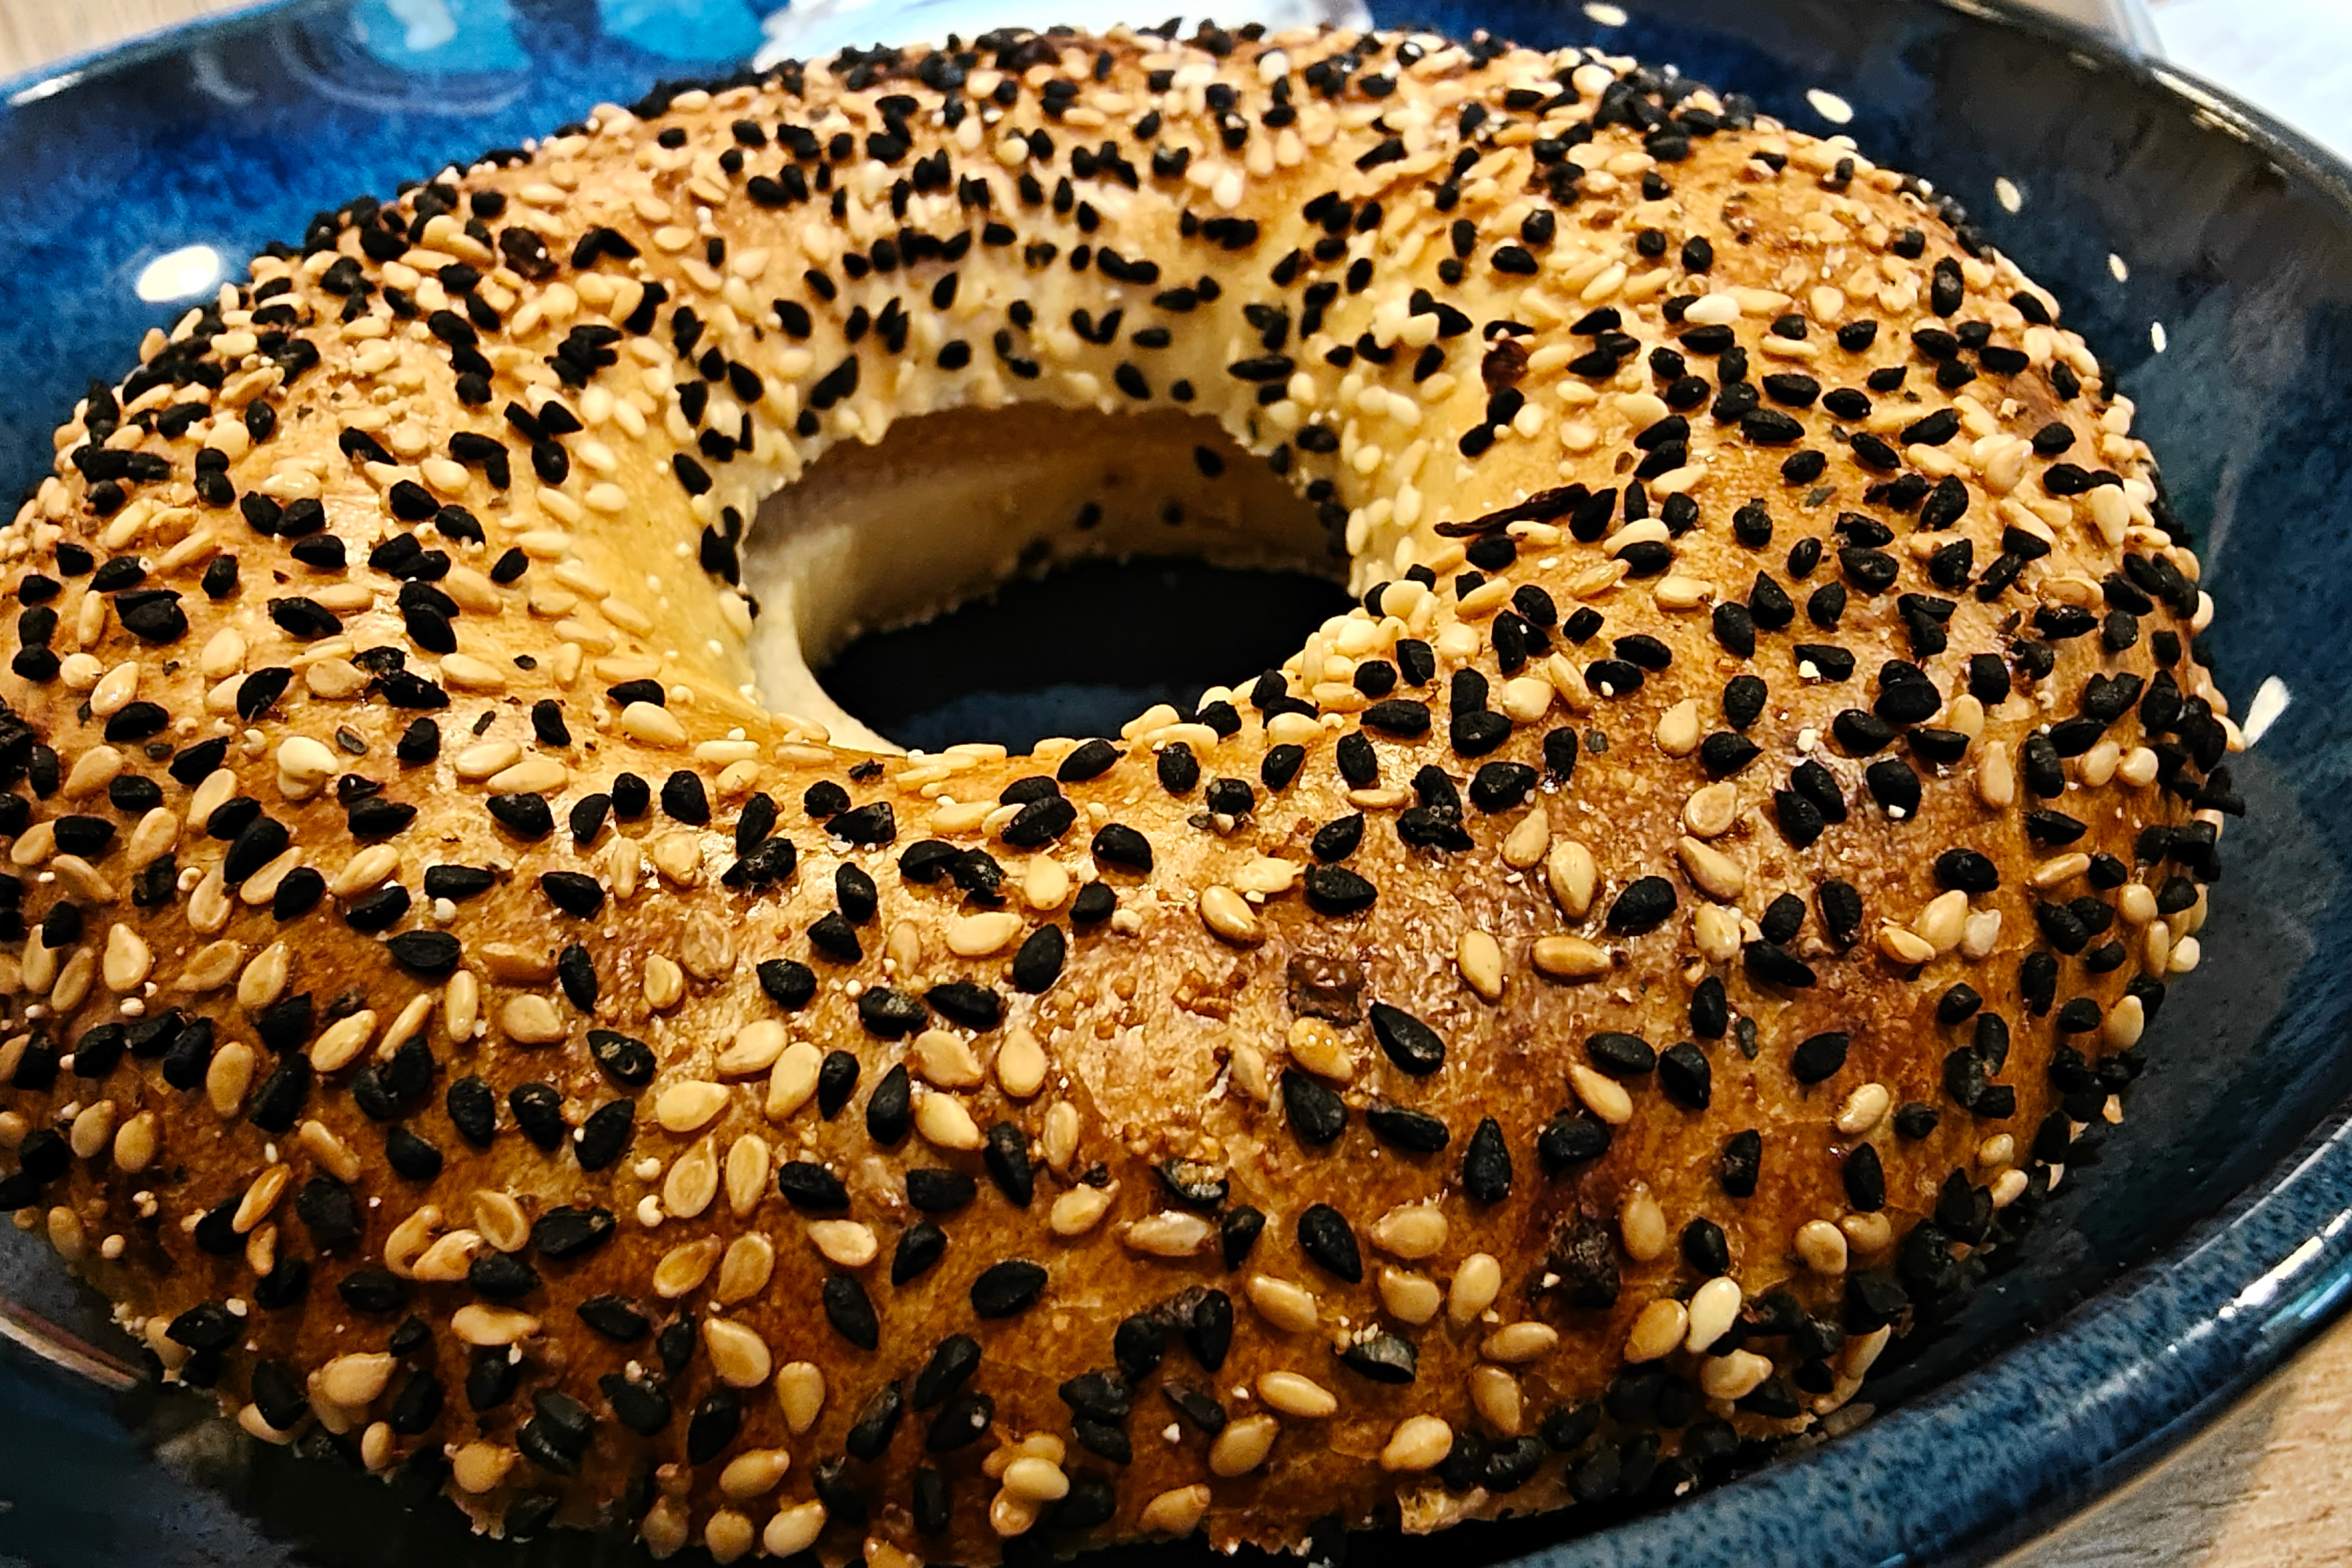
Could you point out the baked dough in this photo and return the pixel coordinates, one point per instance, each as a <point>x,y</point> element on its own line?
<point>1547,1034</point>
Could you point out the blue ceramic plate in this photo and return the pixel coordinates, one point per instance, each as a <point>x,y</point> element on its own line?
<point>2205,250</point>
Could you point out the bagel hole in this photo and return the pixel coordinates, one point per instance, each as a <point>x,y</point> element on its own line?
<point>1009,574</point>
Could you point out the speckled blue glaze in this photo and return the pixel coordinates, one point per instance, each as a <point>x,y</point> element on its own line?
<point>2217,1232</point>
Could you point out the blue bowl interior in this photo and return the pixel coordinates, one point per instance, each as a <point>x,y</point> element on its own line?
<point>2235,237</point>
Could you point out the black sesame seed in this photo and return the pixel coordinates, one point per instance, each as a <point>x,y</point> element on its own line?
<point>1644,906</point>
<point>1038,963</point>
<point>1383,1358</point>
<point>1119,845</point>
<point>538,1109</point>
<point>1179,768</point>
<point>1740,1165</point>
<point>850,1311</point>
<point>1865,1180</point>
<point>604,1136</point>
<point>1414,1131</point>
<point>1337,891</point>
<point>1005,1153</point>
<point>1399,717</point>
<point>789,984</point>
<point>1818,1056</point>
<point>1685,1074</point>
<point>624,1060</point>
<point>1008,1287</point>
<point>1570,1139</point>
<point>683,799</point>
<point>1487,1164</point>
<point>525,815</point>
<point>1710,1009</point>
<point>949,1366</point>
<point>1776,965</point>
<point>1620,1055</point>
<point>872,825</point>
<point>889,1013</point>
<point>715,1423</point>
<point>1231,797</point>
<point>920,1245</point>
<point>1324,1235</point>
<point>1782,918</point>
<point>891,1108</point>
<point>1705,1248</point>
<point>1408,1042</point>
<point>563,1233</point>
<point>1967,871</point>
<point>1316,1113</point>
<point>1089,761</point>
<point>1723,753</point>
<point>473,1109</point>
<point>935,1190</point>
<point>1500,786</point>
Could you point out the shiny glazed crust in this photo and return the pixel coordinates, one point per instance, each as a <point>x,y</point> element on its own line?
<point>1550,1033</point>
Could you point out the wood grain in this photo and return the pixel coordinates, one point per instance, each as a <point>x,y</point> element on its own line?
<point>2270,1482</point>
<point>34,31</point>
<point>2265,1484</point>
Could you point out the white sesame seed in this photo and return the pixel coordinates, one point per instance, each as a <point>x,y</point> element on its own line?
<point>1829,106</point>
<point>2271,700</point>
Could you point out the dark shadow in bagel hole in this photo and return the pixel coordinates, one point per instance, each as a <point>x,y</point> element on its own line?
<point>1102,563</point>
<point>1145,629</point>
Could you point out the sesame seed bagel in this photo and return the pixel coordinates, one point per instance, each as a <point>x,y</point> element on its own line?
<point>1540,1041</point>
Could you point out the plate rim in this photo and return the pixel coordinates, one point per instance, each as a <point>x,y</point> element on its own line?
<point>26,88</point>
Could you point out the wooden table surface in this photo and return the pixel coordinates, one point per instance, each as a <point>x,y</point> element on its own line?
<point>2268,1483</point>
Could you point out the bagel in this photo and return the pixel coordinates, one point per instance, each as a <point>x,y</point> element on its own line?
<point>477,997</point>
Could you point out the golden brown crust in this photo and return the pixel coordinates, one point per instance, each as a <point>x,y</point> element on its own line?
<point>285,1197</point>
